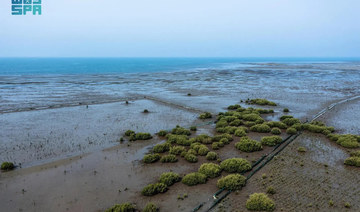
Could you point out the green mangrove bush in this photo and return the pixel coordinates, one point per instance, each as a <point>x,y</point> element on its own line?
<point>348,140</point>
<point>140,136</point>
<point>191,158</point>
<point>180,131</point>
<point>252,117</point>
<point>236,123</point>
<point>247,144</point>
<point>193,128</point>
<point>237,165</point>
<point>161,148</point>
<point>169,178</point>
<point>151,207</point>
<point>216,145</point>
<point>178,139</point>
<point>205,115</point>
<point>151,158</point>
<point>194,179</point>
<point>231,182</point>
<point>203,138</point>
<point>261,128</point>
<point>291,131</point>
<point>234,107</point>
<point>7,166</point>
<point>352,161</point>
<point>264,111</point>
<point>249,123</point>
<point>191,151</point>
<point>291,121</point>
<point>219,137</point>
<point>125,207</point>
<point>143,136</point>
<point>271,140</point>
<point>318,128</point>
<point>355,154</point>
<point>211,170</point>
<point>270,190</point>
<point>211,156</point>
<point>275,131</point>
<point>153,189</point>
<point>301,149</point>
<point>168,159</point>
<point>224,141</point>
<point>240,132</point>
<point>277,124</point>
<point>285,117</point>
<point>177,150</point>
<point>203,150</point>
<point>260,202</point>
<point>162,133</point>
<point>261,102</point>
<point>129,133</point>
<point>221,124</point>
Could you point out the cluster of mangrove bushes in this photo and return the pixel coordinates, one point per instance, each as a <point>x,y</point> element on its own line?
<point>166,180</point>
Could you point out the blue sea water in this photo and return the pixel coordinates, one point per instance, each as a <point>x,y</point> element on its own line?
<point>39,66</point>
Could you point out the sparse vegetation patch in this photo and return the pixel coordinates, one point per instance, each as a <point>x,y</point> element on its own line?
<point>125,207</point>
<point>260,202</point>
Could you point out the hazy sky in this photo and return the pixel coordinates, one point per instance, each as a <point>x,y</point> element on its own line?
<point>190,28</point>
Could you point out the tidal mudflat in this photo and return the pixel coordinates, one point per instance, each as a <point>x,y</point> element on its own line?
<point>73,158</point>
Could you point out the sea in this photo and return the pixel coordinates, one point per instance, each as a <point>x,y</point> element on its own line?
<point>42,83</point>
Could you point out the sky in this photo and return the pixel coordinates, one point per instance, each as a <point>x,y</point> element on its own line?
<point>183,28</point>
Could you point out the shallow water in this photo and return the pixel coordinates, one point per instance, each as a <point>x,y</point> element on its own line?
<point>109,81</point>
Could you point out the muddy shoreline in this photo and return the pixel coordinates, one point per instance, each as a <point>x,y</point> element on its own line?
<point>72,159</point>
<point>116,173</point>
